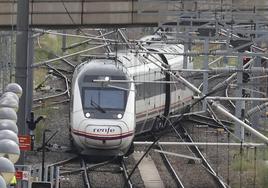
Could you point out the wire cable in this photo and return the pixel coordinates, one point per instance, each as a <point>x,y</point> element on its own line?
<point>185,110</point>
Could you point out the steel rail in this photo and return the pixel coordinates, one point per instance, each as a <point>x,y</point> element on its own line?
<point>184,135</point>
<point>52,103</point>
<point>65,79</point>
<point>169,167</point>
<point>85,173</point>
<point>177,155</point>
<point>227,95</point>
<point>60,163</point>
<point>125,174</point>
<point>67,91</point>
<point>212,77</point>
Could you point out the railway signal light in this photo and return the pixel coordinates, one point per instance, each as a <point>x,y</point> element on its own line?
<point>246,77</point>
<point>32,123</point>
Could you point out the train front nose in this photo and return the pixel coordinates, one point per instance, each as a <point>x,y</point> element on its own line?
<point>105,134</point>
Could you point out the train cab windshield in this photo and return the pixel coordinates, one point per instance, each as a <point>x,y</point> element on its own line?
<point>104,99</point>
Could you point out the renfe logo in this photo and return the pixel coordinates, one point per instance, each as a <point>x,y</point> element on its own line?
<point>104,130</point>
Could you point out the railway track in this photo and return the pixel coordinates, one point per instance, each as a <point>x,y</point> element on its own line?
<point>183,134</point>
<point>81,172</point>
<point>85,173</point>
<point>61,94</point>
<point>187,165</point>
<point>170,168</point>
<point>193,152</point>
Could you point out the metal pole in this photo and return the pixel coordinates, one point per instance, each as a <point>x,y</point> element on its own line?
<point>43,153</point>
<point>57,177</point>
<point>240,122</point>
<point>205,74</point>
<point>63,42</point>
<point>244,144</point>
<point>21,64</point>
<point>256,82</point>
<point>30,75</point>
<point>256,109</point>
<point>233,98</point>
<point>225,70</point>
<point>185,58</point>
<point>229,80</point>
<point>239,105</point>
<point>212,53</point>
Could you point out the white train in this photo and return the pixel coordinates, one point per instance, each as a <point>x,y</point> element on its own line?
<point>115,98</point>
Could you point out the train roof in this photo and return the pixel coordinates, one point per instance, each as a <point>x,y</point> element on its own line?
<point>103,67</point>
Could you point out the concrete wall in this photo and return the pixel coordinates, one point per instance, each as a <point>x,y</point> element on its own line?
<point>73,13</point>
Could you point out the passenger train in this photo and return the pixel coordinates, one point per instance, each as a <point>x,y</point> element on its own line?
<point>115,98</point>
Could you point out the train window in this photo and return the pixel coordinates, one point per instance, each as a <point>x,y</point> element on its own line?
<point>104,98</point>
<point>146,90</point>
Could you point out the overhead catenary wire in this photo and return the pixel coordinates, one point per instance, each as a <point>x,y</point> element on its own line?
<point>217,87</point>
<point>66,56</point>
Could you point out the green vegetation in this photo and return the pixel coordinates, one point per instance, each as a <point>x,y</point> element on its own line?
<point>242,161</point>
<point>39,75</point>
<point>198,60</point>
<point>46,47</point>
<point>45,111</point>
<point>252,164</point>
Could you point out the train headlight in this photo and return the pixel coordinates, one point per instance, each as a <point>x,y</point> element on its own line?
<point>119,116</point>
<point>107,78</point>
<point>87,115</point>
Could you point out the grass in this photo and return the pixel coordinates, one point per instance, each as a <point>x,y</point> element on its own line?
<point>39,76</point>
<point>45,111</point>
<point>262,176</point>
<point>198,60</point>
<point>252,164</point>
<point>48,45</point>
<point>242,161</point>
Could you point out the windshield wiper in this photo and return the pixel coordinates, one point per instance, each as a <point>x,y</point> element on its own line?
<point>96,106</point>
